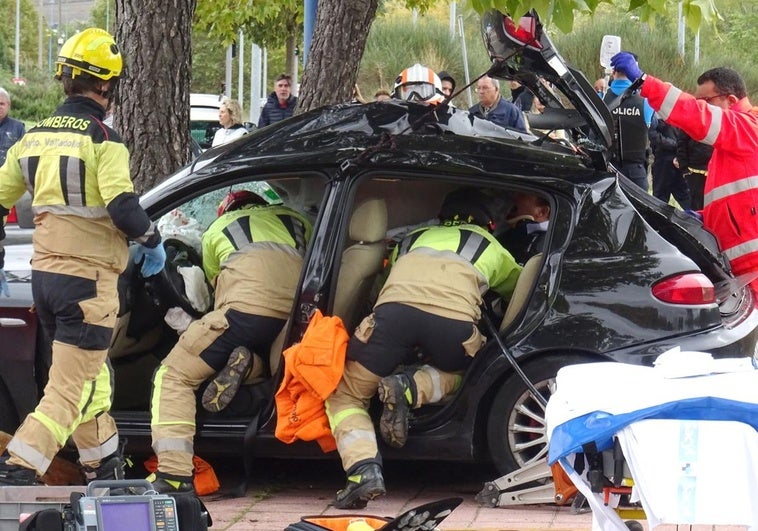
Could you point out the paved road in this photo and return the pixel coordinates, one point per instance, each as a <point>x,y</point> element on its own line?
<point>281,492</point>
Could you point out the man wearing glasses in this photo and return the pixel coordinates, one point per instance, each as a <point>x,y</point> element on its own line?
<point>280,104</point>
<point>493,107</point>
<point>719,114</point>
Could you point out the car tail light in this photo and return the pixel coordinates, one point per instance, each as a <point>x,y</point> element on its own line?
<point>689,288</point>
<point>525,32</point>
<point>12,218</point>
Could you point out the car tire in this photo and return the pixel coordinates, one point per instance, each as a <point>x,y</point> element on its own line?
<point>516,429</point>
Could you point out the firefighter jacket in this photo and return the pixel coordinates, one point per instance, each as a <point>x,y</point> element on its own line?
<point>312,370</point>
<point>631,120</point>
<point>731,187</point>
<point>253,257</point>
<point>77,170</point>
<point>446,269</point>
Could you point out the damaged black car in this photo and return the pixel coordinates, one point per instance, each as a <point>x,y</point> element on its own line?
<point>620,276</point>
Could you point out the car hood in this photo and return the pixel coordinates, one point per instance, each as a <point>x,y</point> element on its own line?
<point>18,259</point>
<point>523,51</point>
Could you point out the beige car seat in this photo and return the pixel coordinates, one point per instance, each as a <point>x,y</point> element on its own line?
<point>362,261</point>
<point>523,290</point>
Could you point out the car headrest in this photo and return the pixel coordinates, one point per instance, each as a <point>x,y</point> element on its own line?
<point>369,221</point>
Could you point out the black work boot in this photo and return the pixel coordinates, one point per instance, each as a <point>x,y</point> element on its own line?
<point>170,484</point>
<point>227,382</point>
<point>365,484</point>
<point>396,393</point>
<point>112,468</point>
<point>16,475</point>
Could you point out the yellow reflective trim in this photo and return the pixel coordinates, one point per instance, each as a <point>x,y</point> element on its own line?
<point>155,401</point>
<point>61,433</point>
<point>336,419</point>
<point>101,396</point>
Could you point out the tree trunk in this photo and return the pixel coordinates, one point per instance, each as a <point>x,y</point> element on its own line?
<point>339,38</point>
<point>152,114</point>
<point>290,66</point>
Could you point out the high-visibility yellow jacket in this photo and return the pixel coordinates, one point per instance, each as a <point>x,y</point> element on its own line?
<point>77,170</point>
<point>253,257</point>
<point>445,270</point>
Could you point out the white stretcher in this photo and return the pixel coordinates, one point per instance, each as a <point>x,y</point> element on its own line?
<point>687,429</point>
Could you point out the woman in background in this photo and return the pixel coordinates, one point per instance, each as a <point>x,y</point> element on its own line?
<point>230,118</point>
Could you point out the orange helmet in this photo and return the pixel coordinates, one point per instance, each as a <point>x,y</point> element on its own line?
<point>239,199</point>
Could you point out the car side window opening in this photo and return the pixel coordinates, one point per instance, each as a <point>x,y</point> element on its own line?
<point>141,337</point>
<point>385,209</point>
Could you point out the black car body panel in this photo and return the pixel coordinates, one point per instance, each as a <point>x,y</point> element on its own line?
<point>590,299</point>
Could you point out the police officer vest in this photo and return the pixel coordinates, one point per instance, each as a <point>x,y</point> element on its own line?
<point>630,138</point>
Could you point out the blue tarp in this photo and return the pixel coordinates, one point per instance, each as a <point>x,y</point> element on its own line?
<point>599,426</point>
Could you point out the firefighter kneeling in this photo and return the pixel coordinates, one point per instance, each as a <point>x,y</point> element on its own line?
<point>430,301</point>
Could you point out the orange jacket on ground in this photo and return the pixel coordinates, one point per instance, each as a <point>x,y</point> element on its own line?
<point>312,370</point>
<point>731,188</point>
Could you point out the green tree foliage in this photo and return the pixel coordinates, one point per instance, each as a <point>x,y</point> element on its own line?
<point>266,23</point>
<point>28,35</point>
<point>561,13</point>
<point>38,98</point>
<point>396,42</point>
<point>104,14</point>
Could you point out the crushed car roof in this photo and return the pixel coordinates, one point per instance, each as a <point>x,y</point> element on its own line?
<point>402,135</point>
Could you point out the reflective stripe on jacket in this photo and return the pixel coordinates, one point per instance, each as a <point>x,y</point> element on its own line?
<point>242,230</point>
<point>731,187</point>
<point>77,169</point>
<point>446,269</point>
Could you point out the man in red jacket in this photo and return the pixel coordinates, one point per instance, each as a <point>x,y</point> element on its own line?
<point>719,114</point>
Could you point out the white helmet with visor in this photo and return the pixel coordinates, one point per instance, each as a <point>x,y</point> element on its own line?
<point>419,83</point>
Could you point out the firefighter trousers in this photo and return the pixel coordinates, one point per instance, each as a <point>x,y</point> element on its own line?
<point>78,313</point>
<point>202,350</point>
<point>347,408</point>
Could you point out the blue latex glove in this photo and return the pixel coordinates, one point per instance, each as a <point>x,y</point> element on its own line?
<point>697,215</point>
<point>154,258</point>
<point>625,63</point>
<point>4,288</point>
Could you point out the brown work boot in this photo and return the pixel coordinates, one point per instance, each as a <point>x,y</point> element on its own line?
<point>224,386</point>
<point>396,395</point>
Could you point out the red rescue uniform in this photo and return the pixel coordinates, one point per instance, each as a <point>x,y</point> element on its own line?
<point>731,187</point>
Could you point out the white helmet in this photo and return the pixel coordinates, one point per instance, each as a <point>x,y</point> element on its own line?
<point>418,83</point>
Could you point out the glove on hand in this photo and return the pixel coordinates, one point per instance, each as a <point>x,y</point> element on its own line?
<point>625,63</point>
<point>154,258</point>
<point>695,214</point>
<point>4,288</point>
